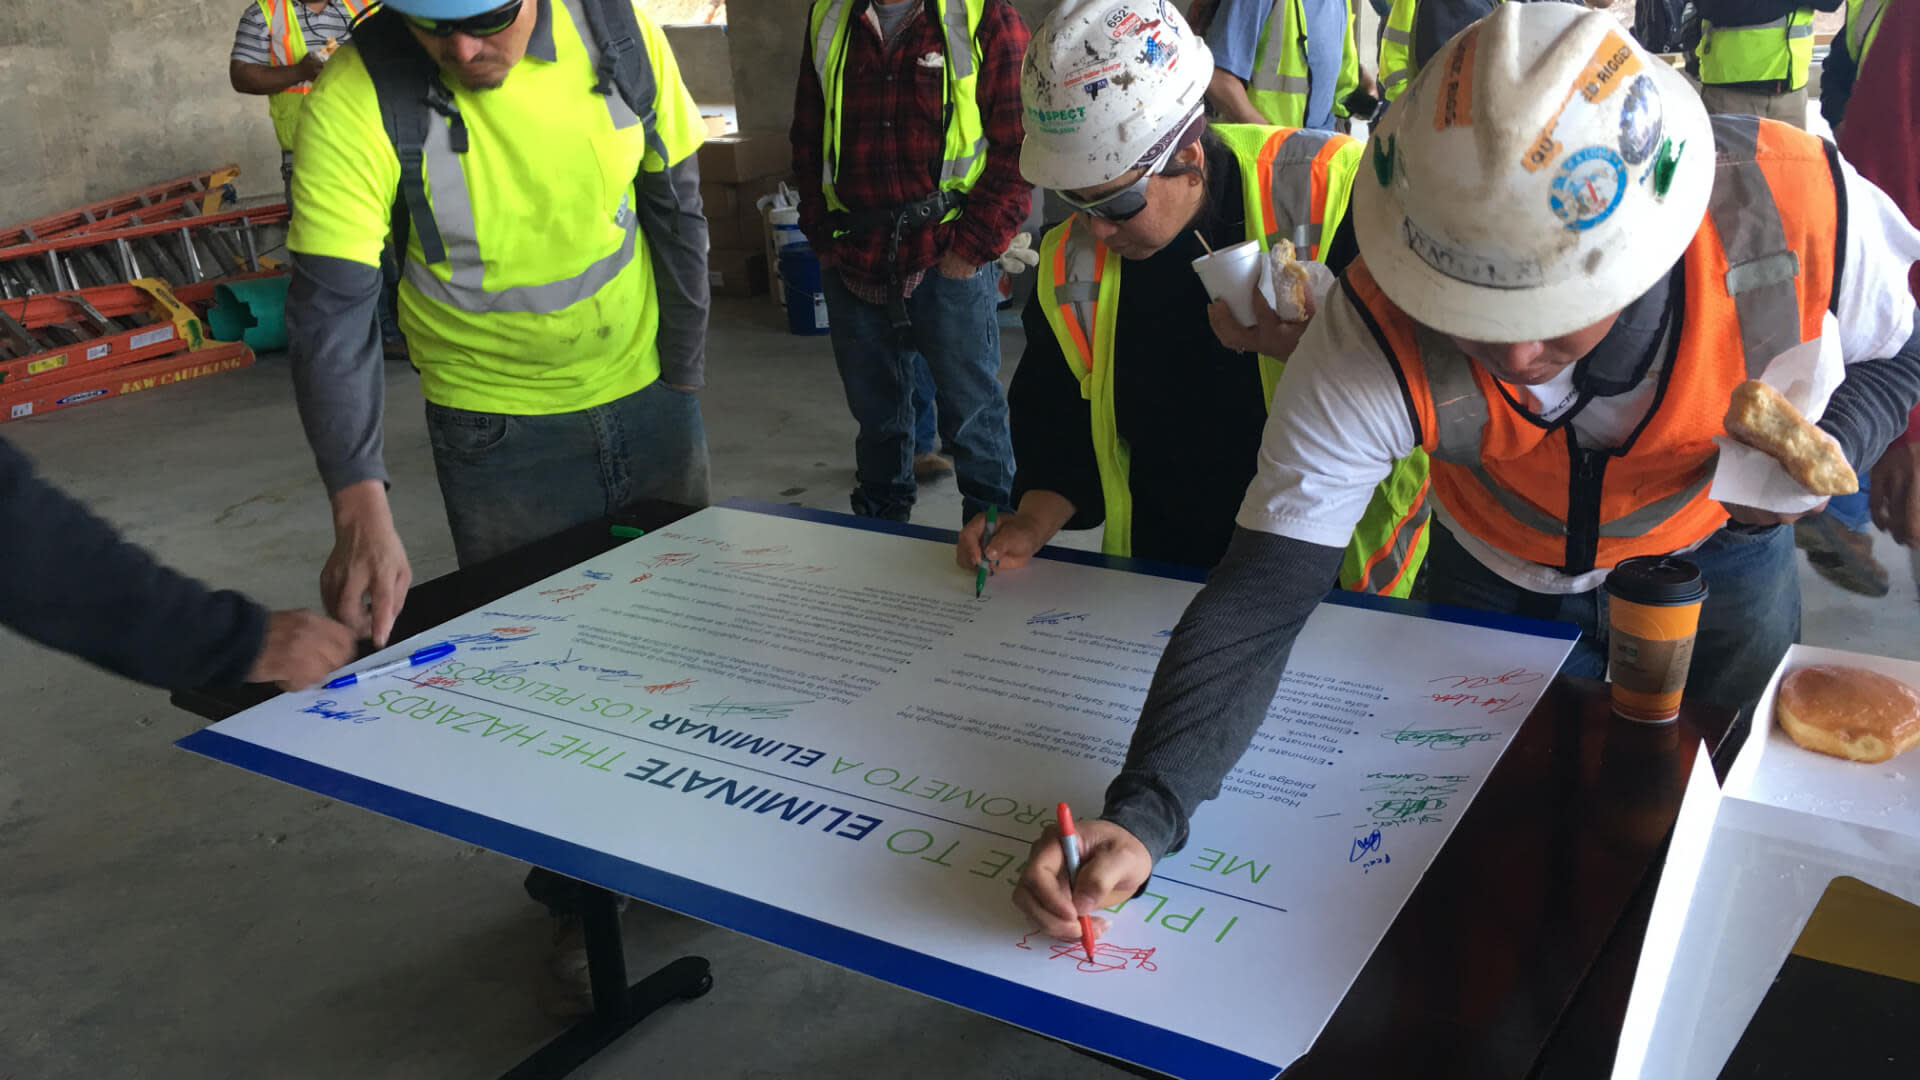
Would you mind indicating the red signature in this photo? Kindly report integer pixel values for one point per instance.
(1475, 682)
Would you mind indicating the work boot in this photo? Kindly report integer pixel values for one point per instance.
(929, 467)
(569, 992)
(1841, 555)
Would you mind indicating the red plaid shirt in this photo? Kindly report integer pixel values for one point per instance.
(890, 150)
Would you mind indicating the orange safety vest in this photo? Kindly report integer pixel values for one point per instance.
(1760, 273)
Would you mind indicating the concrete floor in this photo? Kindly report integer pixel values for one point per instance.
(165, 916)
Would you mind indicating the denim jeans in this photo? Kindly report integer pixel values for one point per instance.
(1852, 511)
(1751, 614)
(510, 480)
(924, 431)
(955, 328)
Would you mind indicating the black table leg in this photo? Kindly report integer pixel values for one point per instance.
(617, 1007)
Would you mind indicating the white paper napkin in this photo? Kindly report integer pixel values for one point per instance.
(1806, 376)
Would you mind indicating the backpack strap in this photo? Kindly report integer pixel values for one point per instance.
(407, 83)
(623, 64)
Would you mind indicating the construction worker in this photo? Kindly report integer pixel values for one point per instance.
(554, 294)
(1285, 62)
(1846, 54)
(906, 138)
(71, 583)
(279, 49)
(1754, 57)
(1565, 269)
(1128, 410)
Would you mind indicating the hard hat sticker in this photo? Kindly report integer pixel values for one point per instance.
(1588, 186)
(1640, 121)
(1454, 105)
(1612, 62)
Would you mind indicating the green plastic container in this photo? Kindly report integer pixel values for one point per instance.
(252, 311)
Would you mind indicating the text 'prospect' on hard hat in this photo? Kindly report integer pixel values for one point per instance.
(1104, 82)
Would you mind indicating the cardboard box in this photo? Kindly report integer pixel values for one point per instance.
(743, 231)
(737, 273)
(724, 200)
(1747, 863)
(730, 159)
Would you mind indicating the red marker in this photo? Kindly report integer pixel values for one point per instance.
(1070, 845)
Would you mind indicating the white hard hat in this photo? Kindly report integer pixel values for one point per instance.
(1541, 173)
(1104, 83)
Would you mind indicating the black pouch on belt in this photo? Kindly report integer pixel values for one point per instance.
(897, 220)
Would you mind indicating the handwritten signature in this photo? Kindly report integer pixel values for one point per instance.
(1053, 618)
(765, 710)
(1106, 957)
(1453, 738)
(332, 711)
(1364, 846)
(1407, 808)
(1518, 676)
(597, 575)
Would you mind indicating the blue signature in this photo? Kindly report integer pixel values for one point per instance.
(1365, 846)
(1368, 845)
(597, 575)
(332, 711)
(1053, 618)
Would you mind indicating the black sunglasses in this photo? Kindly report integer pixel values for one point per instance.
(485, 24)
(1122, 205)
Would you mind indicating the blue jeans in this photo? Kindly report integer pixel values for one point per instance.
(510, 480)
(1751, 615)
(924, 430)
(1852, 511)
(955, 328)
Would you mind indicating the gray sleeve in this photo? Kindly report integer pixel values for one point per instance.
(672, 220)
(339, 379)
(250, 44)
(1871, 406)
(1215, 681)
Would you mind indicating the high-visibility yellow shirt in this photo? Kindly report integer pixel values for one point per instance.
(550, 180)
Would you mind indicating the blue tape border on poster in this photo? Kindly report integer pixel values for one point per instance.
(1518, 624)
(990, 995)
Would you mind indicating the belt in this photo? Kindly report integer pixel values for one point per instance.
(897, 220)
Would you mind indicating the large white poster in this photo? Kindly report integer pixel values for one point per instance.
(815, 734)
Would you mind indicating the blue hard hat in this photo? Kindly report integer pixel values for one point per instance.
(443, 9)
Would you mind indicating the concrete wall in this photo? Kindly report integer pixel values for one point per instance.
(701, 52)
(104, 96)
(764, 38)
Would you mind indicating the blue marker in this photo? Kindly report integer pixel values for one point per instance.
(422, 656)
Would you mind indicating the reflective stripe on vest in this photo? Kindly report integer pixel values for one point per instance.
(1296, 182)
(964, 154)
(1777, 51)
(287, 46)
(465, 287)
(1863, 25)
(1396, 49)
(1282, 83)
(1760, 270)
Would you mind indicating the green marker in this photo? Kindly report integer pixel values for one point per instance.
(986, 537)
(627, 532)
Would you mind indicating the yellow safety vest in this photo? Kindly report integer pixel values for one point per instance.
(964, 156)
(1296, 184)
(1779, 51)
(1863, 25)
(1397, 64)
(1280, 77)
(1397, 68)
(288, 46)
(546, 301)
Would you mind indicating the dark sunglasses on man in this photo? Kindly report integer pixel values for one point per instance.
(485, 24)
(1125, 204)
